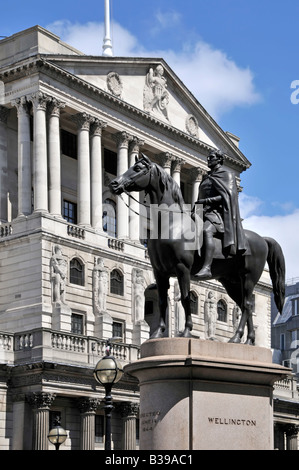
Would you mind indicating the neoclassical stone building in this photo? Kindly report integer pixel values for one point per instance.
(74, 269)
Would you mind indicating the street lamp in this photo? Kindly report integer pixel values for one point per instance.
(107, 372)
(57, 434)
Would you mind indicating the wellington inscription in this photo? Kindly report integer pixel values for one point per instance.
(232, 421)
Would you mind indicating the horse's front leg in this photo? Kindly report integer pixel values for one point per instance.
(162, 287)
(183, 274)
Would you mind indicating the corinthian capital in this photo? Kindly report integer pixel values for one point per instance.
(122, 139)
(55, 107)
(83, 121)
(97, 127)
(40, 100)
(135, 145)
(22, 105)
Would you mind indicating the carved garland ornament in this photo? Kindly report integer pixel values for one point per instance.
(114, 84)
(192, 125)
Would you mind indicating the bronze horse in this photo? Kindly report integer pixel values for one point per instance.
(173, 256)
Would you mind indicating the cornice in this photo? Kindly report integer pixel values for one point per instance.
(41, 64)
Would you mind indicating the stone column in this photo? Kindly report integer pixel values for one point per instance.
(292, 437)
(96, 174)
(165, 160)
(134, 228)
(24, 158)
(54, 158)
(40, 160)
(41, 403)
(279, 436)
(88, 408)
(83, 121)
(122, 139)
(129, 413)
(176, 169)
(3, 164)
(197, 174)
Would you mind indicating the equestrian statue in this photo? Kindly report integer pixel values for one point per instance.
(212, 245)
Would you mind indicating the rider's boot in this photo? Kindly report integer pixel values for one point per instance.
(205, 272)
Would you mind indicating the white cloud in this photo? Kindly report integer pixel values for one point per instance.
(217, 81)
(88, 37)
(168, 19)
(284, 229)
(249, 205)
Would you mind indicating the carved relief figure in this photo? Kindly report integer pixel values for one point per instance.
(155, 96)
(58, 267)
(100, 285)
(138, 297)
(210, 316)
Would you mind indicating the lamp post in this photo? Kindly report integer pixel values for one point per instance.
(107, 372)
(57, 434)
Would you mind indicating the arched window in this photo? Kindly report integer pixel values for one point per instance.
(109, 217)
(193, 303)
(76, 272)
(222, 311)
(116, 282)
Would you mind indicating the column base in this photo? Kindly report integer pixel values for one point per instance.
(204, 395)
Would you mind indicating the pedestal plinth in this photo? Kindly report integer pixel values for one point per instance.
(205, 395)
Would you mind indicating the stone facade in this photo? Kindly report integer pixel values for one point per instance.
(73, 264)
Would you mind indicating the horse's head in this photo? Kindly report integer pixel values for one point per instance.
(135, 178)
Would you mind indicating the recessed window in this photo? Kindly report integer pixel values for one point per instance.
(69, 211)
(69, 144)
(110, 162)
(77, 324)
(116, 282)
(222, 311)
(117, 330)
(109, 217)
(76, 272)
(295, 306)
(193, 303)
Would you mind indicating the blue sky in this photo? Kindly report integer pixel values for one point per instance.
(238, 57)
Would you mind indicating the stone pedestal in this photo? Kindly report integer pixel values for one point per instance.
(61, 319)
(203, 395)
(103, 325)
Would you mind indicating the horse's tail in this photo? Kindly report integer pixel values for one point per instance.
(276, 264)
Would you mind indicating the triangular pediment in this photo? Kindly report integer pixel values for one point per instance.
(152, 87)
(146, 86)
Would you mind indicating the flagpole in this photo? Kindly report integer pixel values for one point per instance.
(107, 44)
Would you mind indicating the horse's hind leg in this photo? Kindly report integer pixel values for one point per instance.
(246, 308)
(183, 275)
(162, 286)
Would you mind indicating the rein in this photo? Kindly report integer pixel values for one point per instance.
(148, 167)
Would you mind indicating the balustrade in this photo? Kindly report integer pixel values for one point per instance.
(63, 342)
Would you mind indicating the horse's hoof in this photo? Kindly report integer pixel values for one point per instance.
(185, 334)
(157, 334)
(250, 341)
(235, 339)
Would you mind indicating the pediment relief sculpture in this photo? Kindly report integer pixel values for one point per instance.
(155, 94)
